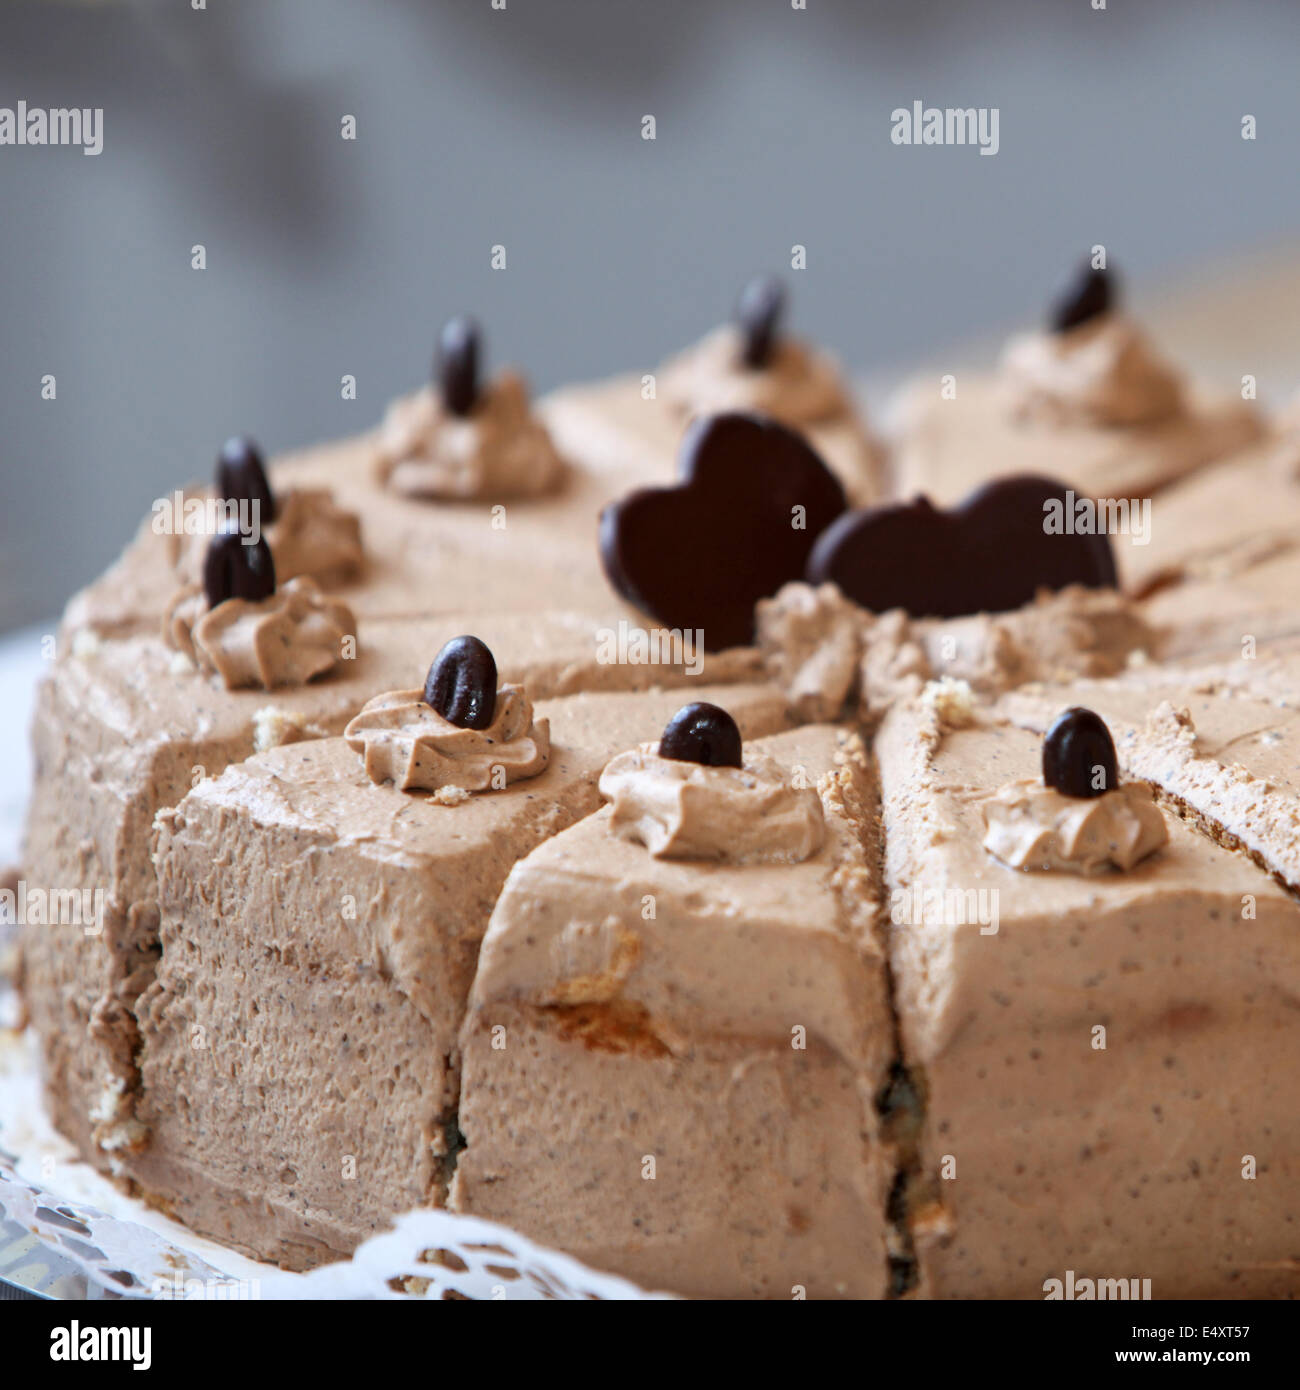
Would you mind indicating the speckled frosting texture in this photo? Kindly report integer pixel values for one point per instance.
(738, 1034)
(408, 743)
(1098, 1052)
(1221, 742)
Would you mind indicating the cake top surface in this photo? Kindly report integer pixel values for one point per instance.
(1225, 749)
(1221, 518)
(935, 781)
(1219, 614)
(1237, 716)
(592, 851)
(320, 786)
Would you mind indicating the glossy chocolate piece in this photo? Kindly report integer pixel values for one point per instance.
(702, 733)
(758, 316)
(1087, 295)
(752, 497)
(234, 569)
(991, 553)
(1079, 754)
(456, 366)
(241, 477)
(462, 683)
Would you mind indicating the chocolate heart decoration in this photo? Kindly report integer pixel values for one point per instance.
(989, 554)
(752, 498)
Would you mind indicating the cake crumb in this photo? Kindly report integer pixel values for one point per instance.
(952, 701)
(129, 1135)
(115, 1128)
(449, 796)
(273, 726)
(111, 1102)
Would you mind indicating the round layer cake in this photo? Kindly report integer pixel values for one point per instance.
(663, 819)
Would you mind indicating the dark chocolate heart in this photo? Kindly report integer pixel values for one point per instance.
(702, 733)
(758, 316)
(456, 368)
(241, 477)
(462, 683)
(233, 569)
(1079, 754)
(1087, 294)
(989, 554)
(753, 497)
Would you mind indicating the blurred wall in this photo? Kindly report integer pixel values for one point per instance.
(523, 127)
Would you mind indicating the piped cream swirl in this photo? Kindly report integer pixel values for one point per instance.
(314, 536)
(811, 639)
(311, 536)
(1034, 827)
(288, 638)
(1104, 372)
(740, 815)
(499, 450)
(408, 743)
(798, 385)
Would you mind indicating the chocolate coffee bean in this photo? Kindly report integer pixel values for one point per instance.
(758, 316)
(1079, 754)
(752, 498)
(462, 683)
(456, 369)
(1088, 294)
(702, 733)
(241, 477)
(233, 568)
(989, 554)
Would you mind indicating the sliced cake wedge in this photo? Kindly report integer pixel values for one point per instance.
(674, 1054)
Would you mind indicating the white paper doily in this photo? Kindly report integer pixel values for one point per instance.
(429, 1254)
(434, 1254)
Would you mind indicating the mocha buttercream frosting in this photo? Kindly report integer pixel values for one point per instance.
(501, 449)
(1034, 827)
(797, 385)
(1105, 372)
(816, 644)
(408, 743)
(313, 535)
(739, 815)
(811, 638)
(288, 638)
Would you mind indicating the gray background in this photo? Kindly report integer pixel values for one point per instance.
(523, 127)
